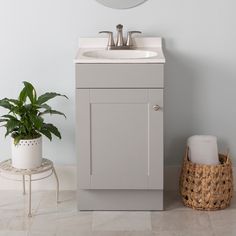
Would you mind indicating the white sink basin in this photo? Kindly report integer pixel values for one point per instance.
(120, 54)
(93, 50)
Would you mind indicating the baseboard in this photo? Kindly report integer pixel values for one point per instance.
(67, 179)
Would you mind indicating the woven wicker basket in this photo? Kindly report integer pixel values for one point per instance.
(206, 187)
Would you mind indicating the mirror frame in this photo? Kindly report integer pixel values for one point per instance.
(139, 2)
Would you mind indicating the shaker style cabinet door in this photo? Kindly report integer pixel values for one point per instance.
(119, 138)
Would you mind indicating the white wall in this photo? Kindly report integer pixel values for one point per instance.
(38, 40)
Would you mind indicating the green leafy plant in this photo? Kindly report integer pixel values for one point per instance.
(25, 117)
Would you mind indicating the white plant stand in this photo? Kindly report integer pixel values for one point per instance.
(46, 167)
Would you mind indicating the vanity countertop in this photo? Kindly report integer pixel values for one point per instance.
(148, 50)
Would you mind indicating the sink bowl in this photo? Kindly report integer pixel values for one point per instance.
(120, 54)
(93, 51)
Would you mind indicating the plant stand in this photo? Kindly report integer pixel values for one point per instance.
(46, 166)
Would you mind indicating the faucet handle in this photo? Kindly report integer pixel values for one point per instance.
(111, 42)
(129, 42)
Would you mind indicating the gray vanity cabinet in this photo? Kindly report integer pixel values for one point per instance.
(119, 136)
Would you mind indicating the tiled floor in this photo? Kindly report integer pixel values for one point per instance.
(64, 219)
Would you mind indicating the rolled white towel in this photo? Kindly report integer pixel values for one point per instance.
(203, 149)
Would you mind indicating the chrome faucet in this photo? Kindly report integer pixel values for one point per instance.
(120, 39)
(120, 44)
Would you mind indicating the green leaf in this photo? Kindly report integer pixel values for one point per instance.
(6, 104)
(27, 124)
(52, 112)
(37, 121)
(3, 120)
(7, 133)
(45, 106)
(23, 95)
(30, 92)
(53, 129)
(16, 102)
(11, 126)
(46, 133)
(22, 129)
(47, 96)
(9, 117)
(17, 139)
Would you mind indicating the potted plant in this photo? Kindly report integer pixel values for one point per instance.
(25, 123)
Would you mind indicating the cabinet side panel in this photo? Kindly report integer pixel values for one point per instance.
(156, 155)
(83, 137)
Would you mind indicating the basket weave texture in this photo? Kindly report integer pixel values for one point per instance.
(206, 187)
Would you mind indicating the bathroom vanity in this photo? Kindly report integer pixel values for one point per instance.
(119, 125)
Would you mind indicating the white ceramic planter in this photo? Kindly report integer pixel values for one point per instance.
(27, 154)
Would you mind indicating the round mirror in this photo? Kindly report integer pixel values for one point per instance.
(121, 4)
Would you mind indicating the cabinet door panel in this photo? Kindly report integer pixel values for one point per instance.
(125, 138)
(119, 145)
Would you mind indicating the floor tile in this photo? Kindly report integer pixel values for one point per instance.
(16, 200)
(43, 234)
(224, 221)
(180, 220)
(121, 221)
(223, 217)
(7, 216)
(62, 221)
(166, 233)
(196, 233)
(44, 223)
(73, 233)
(20, 222)
(67, 201)
(225, 232)
(17, 233)
(184, 233)
(4, 221)
(13, 233)
(77, 221)
(3, 233)
(106, 233)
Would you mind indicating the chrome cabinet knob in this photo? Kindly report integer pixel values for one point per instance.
(156, 108)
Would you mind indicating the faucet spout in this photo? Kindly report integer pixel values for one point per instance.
(120, 39)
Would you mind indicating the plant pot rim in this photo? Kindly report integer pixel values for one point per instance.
(29, 138)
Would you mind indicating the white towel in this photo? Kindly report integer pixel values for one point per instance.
(203, 149)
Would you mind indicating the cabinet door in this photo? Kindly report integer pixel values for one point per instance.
(120, 138)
